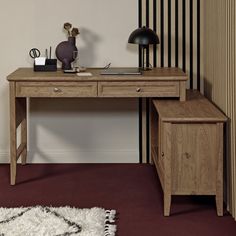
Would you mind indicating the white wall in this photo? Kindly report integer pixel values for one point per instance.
(79, 130)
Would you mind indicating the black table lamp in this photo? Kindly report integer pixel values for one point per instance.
(144, 37)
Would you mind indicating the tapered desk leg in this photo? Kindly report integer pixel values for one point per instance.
(13, 140)
(17, 117)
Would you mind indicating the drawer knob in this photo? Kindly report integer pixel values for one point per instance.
(138, 90)
(187, 155)
(57, 90)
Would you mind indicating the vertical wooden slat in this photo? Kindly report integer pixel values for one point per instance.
(187, 41)
(219, 73)
(198, 33)
(147, 25)
(173, 33)
(191, 43)
(184, 35)
(180, 34)
(176, 33)
(155, 30)
(169, 32)
(162, 20)
(195, 44)
(166, 34)
(140, 10)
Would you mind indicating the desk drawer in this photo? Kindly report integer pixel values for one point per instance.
(56, 89)
(138, 89)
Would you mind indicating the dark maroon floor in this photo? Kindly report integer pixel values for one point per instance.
(132, 189)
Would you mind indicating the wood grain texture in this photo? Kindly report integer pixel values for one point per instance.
(165, 74)
(13, 141)
(138, 89)
(166, 149)
(56, 89)
(219, 170)
(196, 108)
(24, 82)
(188, 152)
(219, 21)
(194, 159)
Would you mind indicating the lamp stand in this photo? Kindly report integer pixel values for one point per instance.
(144, 48)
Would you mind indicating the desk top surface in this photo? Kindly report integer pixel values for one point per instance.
(196, 108)
(156, 74)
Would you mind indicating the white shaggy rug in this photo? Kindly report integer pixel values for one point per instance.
(62, 221)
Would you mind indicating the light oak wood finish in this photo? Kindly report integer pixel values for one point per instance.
(56, 89)
(24, 82)
(189, 139)
(13, 126)
(138, 89)
(159, 74)
(218, 58)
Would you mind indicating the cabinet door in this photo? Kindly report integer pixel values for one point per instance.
(194, 158)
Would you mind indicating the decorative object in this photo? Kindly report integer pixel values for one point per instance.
(43, 221)
(42, 63)
(144, 37)
(65, 50)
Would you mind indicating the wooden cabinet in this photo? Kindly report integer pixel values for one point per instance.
(187, 148)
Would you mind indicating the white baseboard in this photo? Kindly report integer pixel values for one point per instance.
(4, 157)
(78, 156)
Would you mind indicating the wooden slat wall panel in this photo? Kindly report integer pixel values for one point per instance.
(204, 47)
(180, 45)
(176, 24)
(219, 21)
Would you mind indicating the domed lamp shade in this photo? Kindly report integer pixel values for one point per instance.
(144, 37)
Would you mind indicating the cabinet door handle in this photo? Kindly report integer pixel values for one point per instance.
(162, 154)
(57, 90)
(138, 90)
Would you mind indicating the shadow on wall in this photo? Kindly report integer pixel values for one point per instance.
(207, 89)
(87, 53)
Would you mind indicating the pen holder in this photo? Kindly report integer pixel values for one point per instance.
(50, 65)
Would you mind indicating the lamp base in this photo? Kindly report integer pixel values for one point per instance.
(146, 68)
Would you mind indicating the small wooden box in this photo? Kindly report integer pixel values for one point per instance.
(187, 148)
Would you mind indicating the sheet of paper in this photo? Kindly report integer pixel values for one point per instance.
(84, 74)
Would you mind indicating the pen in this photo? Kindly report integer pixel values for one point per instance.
(46, 52)
(50, 53)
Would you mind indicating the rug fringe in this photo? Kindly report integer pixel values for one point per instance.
(110, 229)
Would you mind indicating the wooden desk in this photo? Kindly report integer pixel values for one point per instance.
(24, 82)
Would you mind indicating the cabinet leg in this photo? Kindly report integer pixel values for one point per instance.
(219, 204)
(219, 182)
(167, 203)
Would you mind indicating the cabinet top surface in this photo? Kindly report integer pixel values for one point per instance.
(162, 74)
(196, 108)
